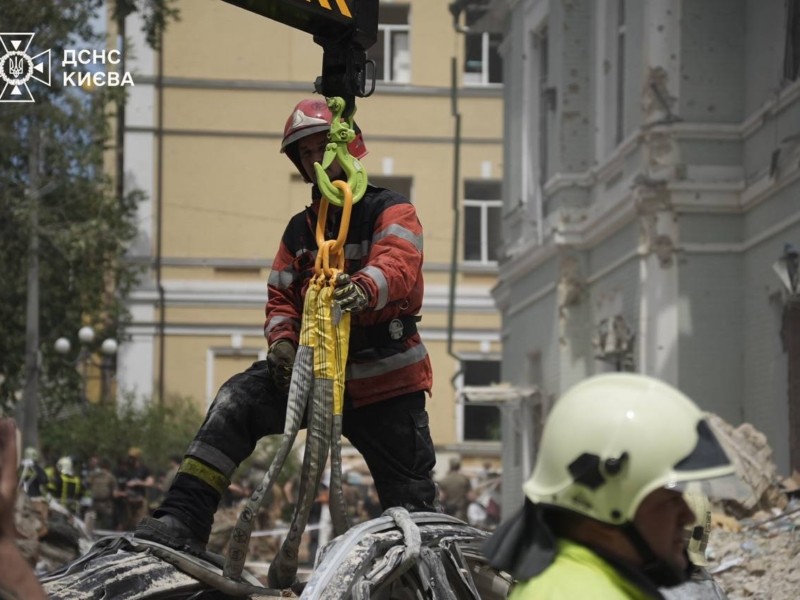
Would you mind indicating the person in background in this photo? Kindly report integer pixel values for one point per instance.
(172, 471)
(604, 513)
(137, 481)
(120, 497)
(65, 486)
(372, 505)
(456, 490)
(31, 475)
(101, 484)
(353, 496)
(17, 579)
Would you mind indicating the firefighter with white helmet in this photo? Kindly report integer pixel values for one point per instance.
(388, 368)
(32, 477)
(604, 512)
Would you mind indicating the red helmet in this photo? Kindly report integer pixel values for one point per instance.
(312, 116)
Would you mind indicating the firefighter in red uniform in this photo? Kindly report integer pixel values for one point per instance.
(388, 369)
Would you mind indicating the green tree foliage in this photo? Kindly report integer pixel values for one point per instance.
(83, 228)
(108, 431)
(156, 14)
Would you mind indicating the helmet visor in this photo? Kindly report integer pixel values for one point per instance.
(708, 470)
(725, 487)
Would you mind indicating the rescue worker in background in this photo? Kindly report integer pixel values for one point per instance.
(136, 481)
(701, 585)
(353, 496)
(456, 490)
(65, 486)
(31, 475)
(604, 512)
(388, 369)
(101, 483)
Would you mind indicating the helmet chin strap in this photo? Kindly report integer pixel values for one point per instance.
(657, 570)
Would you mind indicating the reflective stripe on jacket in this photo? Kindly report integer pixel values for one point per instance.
(383, 253)
(577, 572)
(66, 489)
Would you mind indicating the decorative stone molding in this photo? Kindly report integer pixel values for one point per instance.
(613, 341)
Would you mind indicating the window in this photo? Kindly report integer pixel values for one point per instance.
(546, 101)
(791, 58)
(481, 422)
(483, 208)
(390, 52)
(619, 133)
(482, 62)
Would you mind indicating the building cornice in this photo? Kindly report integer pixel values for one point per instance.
(275, 135)
(190, 293)
(191, 329)
(224, 263)
(493, 90)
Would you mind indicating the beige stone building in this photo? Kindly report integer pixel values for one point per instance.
(203, 127)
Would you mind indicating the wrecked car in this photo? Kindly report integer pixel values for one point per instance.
(398, 555)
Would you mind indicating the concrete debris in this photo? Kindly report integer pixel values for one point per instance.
(752, 455)
(761, 559)
(754, 549)
(791, 485)
(49, 536)
(724, 522)
(260, 549)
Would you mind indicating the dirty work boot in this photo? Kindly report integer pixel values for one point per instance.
(172, 532)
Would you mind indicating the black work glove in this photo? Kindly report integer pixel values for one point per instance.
(350, 296)
(280, 359)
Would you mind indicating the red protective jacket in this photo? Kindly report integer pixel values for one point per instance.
(383, 254)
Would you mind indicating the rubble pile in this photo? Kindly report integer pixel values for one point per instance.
(754, 546)
(262, 548)
(49, 536)
(761, 557)
(753, 550)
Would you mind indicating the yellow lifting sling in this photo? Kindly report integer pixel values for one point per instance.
(318, 376)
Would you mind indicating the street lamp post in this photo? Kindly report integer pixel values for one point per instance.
(108, 348)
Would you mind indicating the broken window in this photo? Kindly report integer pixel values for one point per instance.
(791, 58)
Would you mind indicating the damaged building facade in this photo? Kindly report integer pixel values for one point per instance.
(651, 182)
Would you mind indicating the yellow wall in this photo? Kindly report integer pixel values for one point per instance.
(231, 80)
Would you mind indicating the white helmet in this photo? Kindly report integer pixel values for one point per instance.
(64, 465)
(612, 439)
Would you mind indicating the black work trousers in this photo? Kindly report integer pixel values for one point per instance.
(393, 436)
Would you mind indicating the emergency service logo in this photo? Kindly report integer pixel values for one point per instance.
(17, 67)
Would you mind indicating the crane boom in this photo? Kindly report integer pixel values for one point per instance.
(344, 28)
